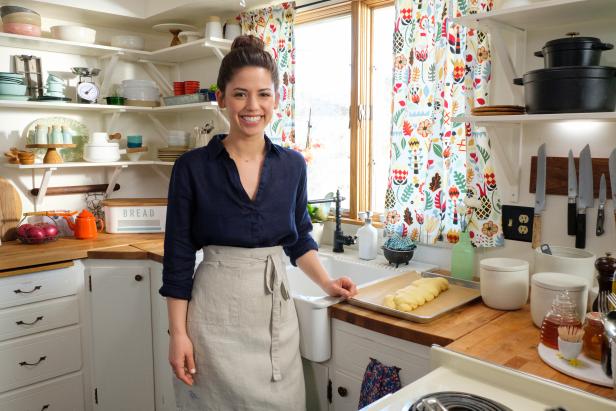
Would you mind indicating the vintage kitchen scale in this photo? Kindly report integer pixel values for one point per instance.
(87, 91)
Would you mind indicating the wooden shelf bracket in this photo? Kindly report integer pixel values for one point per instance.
(114, 179)
(162, 130)
(164, 84)
(510, 165)
(44, 184)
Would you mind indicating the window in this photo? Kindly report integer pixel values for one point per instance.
(322, 96)
(343, 71)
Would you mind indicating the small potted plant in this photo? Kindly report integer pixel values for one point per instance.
(398, 249)
(318, 216)
(211, 92)
(115, 99)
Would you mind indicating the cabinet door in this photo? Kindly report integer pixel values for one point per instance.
(345, 391)
(121, 338)
(316, 378)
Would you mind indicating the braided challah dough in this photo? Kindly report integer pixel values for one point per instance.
(418, 293)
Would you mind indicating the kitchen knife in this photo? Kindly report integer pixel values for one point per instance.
(585, 197)
(539, 195)
(612, 164)
(601, 211)
(571, 194)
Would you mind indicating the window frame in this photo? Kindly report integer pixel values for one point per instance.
(361, 12)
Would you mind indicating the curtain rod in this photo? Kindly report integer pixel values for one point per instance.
(311, 4)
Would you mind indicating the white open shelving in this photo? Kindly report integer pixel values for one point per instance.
(543, 14)
(184, 52)
(517, 120)
(104, 108)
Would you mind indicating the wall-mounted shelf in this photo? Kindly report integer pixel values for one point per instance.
(104, 108)
(516, 120)
(48, 170)
(542, 14)
(184, 52)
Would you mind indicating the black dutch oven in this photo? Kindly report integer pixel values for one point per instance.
(573, 89)
(573, 51)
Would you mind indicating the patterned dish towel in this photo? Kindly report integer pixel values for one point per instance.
(379, 380)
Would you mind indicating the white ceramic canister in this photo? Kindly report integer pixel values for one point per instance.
(544, 287)
(232, 29)
(213, 27)
(504, 283)
(567, 260)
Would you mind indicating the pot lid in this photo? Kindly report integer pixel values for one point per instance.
(573, 39)
(503, 264)
(570, 72)
(559, 281)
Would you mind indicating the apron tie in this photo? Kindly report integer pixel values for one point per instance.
(277, 288)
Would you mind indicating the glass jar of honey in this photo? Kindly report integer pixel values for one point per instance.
(562, 313)
(593, 336)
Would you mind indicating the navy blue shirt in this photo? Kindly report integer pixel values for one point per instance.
(209, 206)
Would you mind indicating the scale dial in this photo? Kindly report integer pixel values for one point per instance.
(88, 92)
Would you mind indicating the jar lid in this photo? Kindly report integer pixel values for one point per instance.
(503, 264)
(559, 281)
(594, 318)
(212, 18)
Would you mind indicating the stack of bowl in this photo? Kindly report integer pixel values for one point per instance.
(20, 20)
(12, 87)
(143, 93)
(55, 86)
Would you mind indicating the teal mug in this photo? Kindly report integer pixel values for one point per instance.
(134, 141)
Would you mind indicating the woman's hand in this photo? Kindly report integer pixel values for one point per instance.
(181, 358)
(341, 287)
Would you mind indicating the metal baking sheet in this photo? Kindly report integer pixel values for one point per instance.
(460, 292)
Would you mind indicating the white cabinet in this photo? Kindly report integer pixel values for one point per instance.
(41, 359)
(119, 302)
(352, 349)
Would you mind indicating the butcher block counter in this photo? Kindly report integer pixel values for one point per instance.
(15, 255)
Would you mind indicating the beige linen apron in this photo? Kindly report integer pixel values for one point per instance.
(245, 334)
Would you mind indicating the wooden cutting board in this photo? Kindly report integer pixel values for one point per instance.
(10, 210)
(372, 296)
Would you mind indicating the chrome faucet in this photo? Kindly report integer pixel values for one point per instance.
(340, 240)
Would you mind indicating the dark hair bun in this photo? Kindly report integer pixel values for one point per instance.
(247, 41)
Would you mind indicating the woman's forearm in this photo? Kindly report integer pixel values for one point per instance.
(310, 264)
(177, 309)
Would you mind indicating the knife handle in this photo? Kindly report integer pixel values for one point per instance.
(571, 217)
(600, 220)
(580, 231)
(536, 231)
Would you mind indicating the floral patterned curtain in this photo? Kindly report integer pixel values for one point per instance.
(274, 25)
(440, 70)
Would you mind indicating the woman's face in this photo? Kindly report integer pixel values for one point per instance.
(250, 100)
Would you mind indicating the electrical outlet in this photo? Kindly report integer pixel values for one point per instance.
(518, 223)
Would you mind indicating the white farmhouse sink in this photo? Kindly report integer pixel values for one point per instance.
(311, 302)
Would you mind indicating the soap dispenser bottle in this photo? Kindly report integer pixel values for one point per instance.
(367, 236)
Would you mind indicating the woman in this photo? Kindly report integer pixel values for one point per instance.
(242, 199)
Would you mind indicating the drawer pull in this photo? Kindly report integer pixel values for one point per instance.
(19, 291)
(342, 391)
(24, 363)
(39, 318)
(138, 277)
(46, 406)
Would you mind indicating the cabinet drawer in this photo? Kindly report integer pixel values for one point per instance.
(38, 357)
(60, 394)
(354, 346)
(33, 318)
(45, 285)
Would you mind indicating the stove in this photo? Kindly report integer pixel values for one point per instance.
(463, 383)
(456, 401)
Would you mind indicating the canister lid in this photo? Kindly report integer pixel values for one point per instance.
(559, 281)
(503, 264)
(132, 202)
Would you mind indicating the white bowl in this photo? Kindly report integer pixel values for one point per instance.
(128, 42)
(99, 138)
(188, 36)
(138, 83)
(544, 287)
(77, 34)
(567, 260)
(134, 156)
(141, 93)
(504, 283)
(102, 153)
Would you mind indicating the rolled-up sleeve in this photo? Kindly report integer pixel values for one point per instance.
(304, 242)
(180, 247)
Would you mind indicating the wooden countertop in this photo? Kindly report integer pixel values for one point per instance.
(511, 340)
(14, 255)
(442, 331)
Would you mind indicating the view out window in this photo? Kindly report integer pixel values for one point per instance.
(381, 91)
(322, 97)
